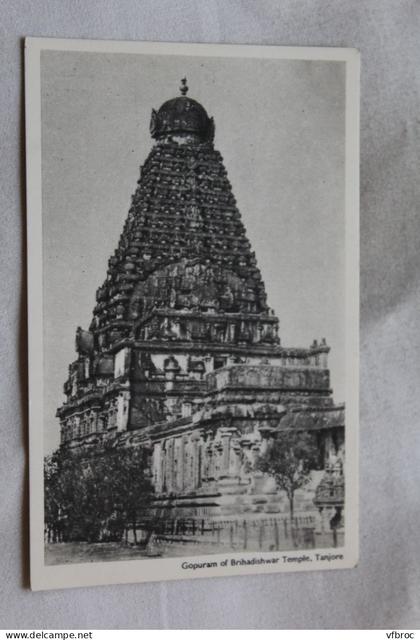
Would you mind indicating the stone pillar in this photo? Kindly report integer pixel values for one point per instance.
(157, 467)
(163, 454)
(341, 446)
(258, 479)
(77, 426)
(326, 513)
(200, 462)
(123, 404)
(197, 464)
(92, 421)
(205, 461)
(329, 449)
(218, 458)
(230, 454)
(246, 460)
(188, 464)
(170, 465)
(208, 364)
(225, 454)
(178, 464)
(235, 459)
(255, 449)
(171, 370)
(211, 469)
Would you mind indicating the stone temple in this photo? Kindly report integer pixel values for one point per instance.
(183, 353)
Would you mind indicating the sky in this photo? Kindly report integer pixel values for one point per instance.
(280, 127)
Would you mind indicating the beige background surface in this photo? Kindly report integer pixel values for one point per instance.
(383, 590)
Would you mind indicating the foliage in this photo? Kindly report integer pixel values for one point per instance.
(95, 497)
(289, 458)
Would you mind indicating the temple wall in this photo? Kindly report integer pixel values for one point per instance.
(212, 472)
(264, 376)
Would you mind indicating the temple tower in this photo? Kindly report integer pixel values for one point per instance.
(183, 350)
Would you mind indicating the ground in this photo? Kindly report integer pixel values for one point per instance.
(81, 552)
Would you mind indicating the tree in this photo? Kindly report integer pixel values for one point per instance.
(51, 498)
(73, 500)
(95, 496)
(128, 484)
(289, 459)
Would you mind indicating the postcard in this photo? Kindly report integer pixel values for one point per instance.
(193, 274)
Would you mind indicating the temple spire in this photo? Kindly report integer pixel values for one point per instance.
(184, 87)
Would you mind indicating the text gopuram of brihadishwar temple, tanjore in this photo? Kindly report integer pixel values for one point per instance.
(183, 353)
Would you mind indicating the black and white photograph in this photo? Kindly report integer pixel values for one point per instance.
(193, 310)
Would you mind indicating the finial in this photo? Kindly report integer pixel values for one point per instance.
(184, 87)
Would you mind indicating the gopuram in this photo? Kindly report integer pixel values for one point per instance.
(183, 354)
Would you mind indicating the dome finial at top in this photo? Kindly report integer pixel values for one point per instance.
(184, 87)
(182, 117)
